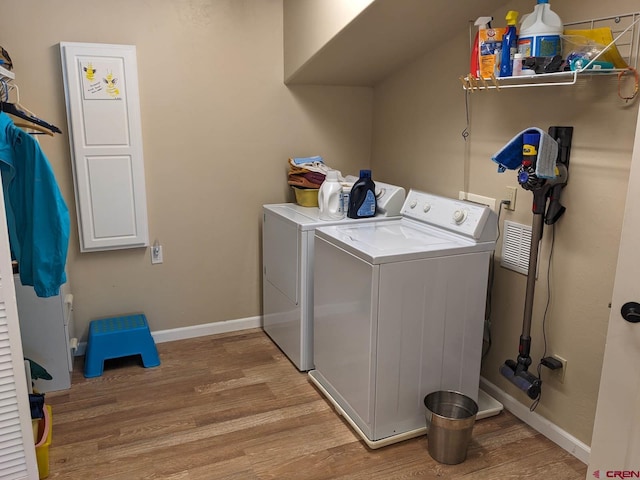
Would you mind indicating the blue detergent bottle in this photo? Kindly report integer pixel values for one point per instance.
(362, 199)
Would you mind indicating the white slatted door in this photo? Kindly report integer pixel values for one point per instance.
(105, 135)
(17, 451)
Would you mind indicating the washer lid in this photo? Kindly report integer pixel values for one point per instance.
(399, 240)
(308, 218)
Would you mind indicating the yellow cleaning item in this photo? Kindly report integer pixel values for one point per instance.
(44, 442)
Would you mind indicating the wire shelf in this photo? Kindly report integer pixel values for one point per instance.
(625, 30)
(6, 74)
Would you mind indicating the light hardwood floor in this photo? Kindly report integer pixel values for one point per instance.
(232, 406)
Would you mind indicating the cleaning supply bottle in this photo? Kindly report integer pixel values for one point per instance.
(489, 51)
(362, 199)
(516, 70)
(540, 32)
(509, 44)
(346, 191)
(474, 64)
(330, 197)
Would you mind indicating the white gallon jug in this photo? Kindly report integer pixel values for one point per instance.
(330, 197)
(540, 32)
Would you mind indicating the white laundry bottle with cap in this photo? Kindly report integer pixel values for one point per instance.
(330, 197)
(540, 32)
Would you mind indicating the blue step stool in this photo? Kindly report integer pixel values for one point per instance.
(119, 337)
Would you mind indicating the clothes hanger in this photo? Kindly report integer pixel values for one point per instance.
(19, 111)
(37, 129)
(17, 103)
(11, 109)
(5, 88)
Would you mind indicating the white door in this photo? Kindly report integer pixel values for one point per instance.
(105, 135)
(615, 446)
(17, 450)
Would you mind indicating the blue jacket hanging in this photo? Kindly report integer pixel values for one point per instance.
(37, 216)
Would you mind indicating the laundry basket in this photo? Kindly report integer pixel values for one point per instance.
(450, 419)
(306, 197)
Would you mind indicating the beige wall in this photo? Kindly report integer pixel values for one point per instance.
(419, 115)
(218, 126)
(310, 24)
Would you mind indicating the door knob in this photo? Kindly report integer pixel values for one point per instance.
(630, 311)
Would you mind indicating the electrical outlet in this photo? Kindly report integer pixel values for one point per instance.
(156, 254)
(510, 195)
(560, 373)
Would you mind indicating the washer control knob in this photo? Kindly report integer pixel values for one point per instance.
(459, 216)
(426, 207)
(413, 204)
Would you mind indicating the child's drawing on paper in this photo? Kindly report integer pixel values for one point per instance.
(90, 72)
(102, 78)
(111, 81)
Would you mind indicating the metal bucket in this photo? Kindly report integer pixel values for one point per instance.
(450, 419)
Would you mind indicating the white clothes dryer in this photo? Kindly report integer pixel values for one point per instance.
(399, 312)
(287, 275)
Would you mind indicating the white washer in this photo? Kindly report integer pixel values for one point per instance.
(287, 274)
(399, 312)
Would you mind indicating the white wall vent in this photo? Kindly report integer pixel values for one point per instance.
(516, 247)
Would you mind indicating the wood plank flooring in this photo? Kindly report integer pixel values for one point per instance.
(232, 406)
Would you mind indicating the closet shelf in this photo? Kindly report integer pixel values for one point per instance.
(625, 30)
(6, 74)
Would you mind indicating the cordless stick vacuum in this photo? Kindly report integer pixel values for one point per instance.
(543, 189)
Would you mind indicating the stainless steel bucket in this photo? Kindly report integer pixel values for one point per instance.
(450, 419)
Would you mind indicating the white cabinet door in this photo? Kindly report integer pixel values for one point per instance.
(105, 135)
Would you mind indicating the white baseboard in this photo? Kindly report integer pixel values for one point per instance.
(213, 328)
(550, 430)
